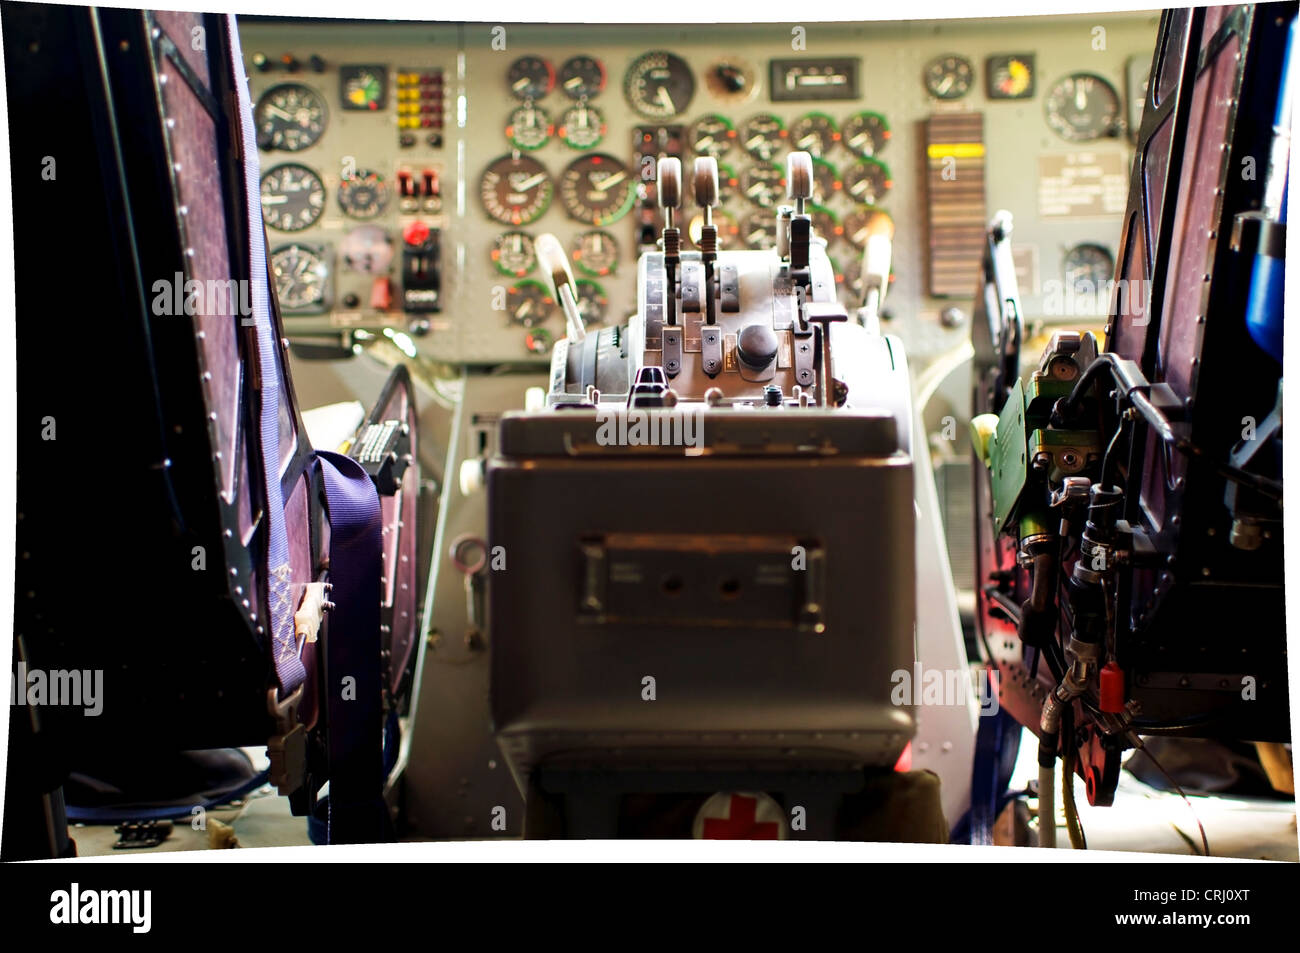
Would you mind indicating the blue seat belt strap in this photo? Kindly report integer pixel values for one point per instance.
(353, 654)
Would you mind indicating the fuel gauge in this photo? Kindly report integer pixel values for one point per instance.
(815, 134)
(513, 254)
(582, 77)
(763, 136)
(764, 185)
(529, 127)
(712, 135)
(596, 252)
(592, 302)
(865, 134)
(583, 127)
(759, 231)
(528, 303)
(867, 181)
(530, 77)
(826, 181)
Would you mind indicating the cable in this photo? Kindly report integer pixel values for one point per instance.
(1205, 841)
(1072, 824)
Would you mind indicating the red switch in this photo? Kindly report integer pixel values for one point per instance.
(381, 294)
(1111, 688)
(416, 234)
(431, 185)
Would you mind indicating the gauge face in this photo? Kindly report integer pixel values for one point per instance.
(764, 185)
(289, 117)
(867, 181)
(815, 134)
(363, 87)
(726, 224)
(728, 184)
(593, 303)
(949, 77)
(367, 249)
(515, 190)
(865, 134)
(1087, 268)
(582, 77)
(596, 253)
(293, 197)
(363, 194)
(530, 77)
(759, 231)
(826, 180)
(763, 136)
(582, 127)
(825, 222)
(659, 85)
(1082, 107)
(529, 127)
(528, 303)
(856, 224)
(513, 254)
(597, 189)
(538, 341)
(712, 135)
(300, 276)
(1010, 77)
(731, 81)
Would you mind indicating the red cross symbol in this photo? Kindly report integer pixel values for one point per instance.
(740, 825)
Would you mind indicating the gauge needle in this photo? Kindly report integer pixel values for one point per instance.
(529, 182)
(946, 84)
(666, 99)
(277, 111)
(1080, 98)
(274, 199)
(612, 181)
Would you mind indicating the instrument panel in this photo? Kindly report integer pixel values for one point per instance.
(408, 168)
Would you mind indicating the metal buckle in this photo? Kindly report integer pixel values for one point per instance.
(288, 748)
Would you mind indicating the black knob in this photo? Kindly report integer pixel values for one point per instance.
(756, 346)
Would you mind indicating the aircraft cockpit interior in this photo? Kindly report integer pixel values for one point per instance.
(836, 430)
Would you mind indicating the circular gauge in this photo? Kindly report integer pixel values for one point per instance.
(582, 77)
(726, 224)
(362, 87)
(949, 77)
(597, 189)
(513, 254)
(856, 225)
(826, 180)
(1082, 107)
(289, 117)
(293, 197)
(515, 190)
(593, 303)
(300, 276)
(728, 183)
(712, 135)
(367, 249)
(867, 181)
(1090, 264)
(764, 185)
(363, 194)
(763, 135)
(731, 81)
(1010, 77)
(596, 253)
(530, 77)
(528, 303)
(850, 279)
(582, 126)
(659, 85)
(759, 231)
(529, 127)
(865, 134)
(538, 341)
(815, 134)
(825, 223)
